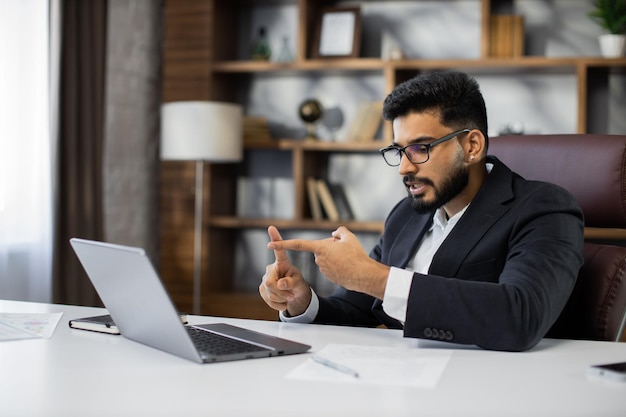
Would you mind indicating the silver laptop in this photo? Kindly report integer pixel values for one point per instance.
(137, 301)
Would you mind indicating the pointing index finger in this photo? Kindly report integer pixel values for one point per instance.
(299, 245)
(280, 254)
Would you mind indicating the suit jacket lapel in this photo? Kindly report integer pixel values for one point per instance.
(484, 210)
(401, 252)
(405, 245)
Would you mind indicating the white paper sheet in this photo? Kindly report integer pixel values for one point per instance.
(421, 368)
(14, 326)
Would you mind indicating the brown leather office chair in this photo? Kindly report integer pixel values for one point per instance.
(593, 168)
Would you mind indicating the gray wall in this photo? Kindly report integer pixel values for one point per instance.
(133, 96)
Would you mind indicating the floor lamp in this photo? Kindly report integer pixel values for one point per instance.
(201, 131)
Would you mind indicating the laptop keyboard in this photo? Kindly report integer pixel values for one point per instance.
(209, 343)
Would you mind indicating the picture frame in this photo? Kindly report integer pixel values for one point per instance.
(338, 33)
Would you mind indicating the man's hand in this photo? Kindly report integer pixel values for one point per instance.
(342, 259)
(283, 288)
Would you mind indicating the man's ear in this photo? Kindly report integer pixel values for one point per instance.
(475, 145)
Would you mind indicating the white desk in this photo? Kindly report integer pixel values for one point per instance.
(78, 373)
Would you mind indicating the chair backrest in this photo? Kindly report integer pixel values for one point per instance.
(596, 309)
(592, 168)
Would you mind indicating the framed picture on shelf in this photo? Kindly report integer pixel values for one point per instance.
(338, 33)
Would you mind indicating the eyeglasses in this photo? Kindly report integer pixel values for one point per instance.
(417, 153)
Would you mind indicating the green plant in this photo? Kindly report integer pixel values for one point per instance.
(610, 15)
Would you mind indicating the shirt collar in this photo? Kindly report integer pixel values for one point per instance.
(440, 218)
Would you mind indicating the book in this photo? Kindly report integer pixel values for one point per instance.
(341, 201)
(355, 124)
(518, 36)
(371, 122)
(366, 122)
(327, 201)
(313, 196)
(506, 36)
(256, 130)
(103, 324)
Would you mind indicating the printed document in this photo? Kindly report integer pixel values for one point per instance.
(399, 366)
(14, 326)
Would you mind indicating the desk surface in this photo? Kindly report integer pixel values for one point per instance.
(79, 373)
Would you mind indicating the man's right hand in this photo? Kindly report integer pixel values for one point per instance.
(283, 288)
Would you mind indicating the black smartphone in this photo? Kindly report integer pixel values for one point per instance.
(615, 371)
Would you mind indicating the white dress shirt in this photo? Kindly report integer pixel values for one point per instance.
(399, 280)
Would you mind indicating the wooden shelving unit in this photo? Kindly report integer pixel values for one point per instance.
(201, 65)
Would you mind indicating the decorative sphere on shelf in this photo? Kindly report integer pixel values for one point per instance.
(311, 112)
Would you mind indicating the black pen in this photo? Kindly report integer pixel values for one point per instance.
(336, 366)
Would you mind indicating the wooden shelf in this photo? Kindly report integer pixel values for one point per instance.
(240, 305)
(233, 222)
(319, 146)
(373, 64)
(597, 233)
(351, 64)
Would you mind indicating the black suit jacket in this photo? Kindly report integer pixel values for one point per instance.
(499, 280)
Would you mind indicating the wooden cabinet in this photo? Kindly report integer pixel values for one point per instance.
(203, 61)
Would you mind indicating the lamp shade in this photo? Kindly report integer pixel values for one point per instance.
(201, 131)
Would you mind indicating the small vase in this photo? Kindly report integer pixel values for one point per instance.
(285, 54)
(612, 46)
(260, 49)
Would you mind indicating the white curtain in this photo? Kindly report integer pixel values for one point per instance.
(26, 148)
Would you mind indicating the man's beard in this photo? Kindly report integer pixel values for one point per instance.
(450, 188)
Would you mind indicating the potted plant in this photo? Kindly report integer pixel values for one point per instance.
(611, 16)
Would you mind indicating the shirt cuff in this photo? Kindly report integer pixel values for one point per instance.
(308, 316)
(396, 296)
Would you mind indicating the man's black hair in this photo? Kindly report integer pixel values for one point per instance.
(454, 95)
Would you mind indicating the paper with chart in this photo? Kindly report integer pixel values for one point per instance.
(15, 326)
(400, 366)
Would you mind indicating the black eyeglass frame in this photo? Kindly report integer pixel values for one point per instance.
(427, 146)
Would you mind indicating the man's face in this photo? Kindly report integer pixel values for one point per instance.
(443, 178)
